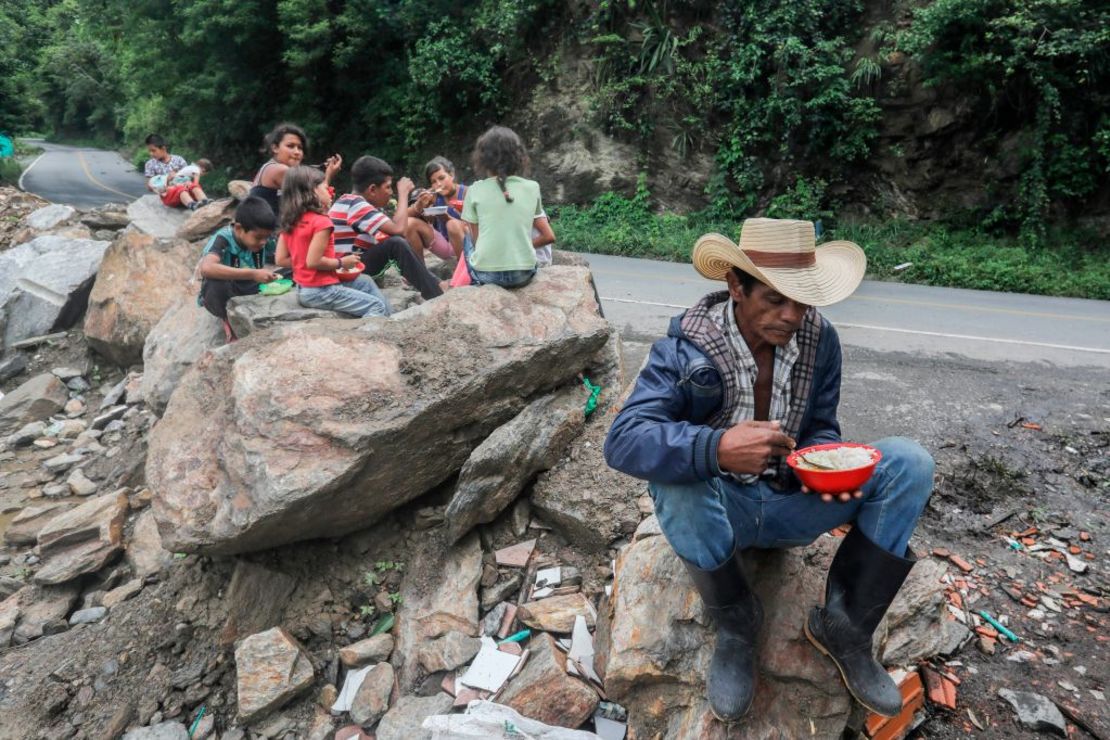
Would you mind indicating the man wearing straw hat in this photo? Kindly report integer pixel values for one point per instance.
(743, 378)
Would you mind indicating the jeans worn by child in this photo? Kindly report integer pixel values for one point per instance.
(360, 297)
(506, 278)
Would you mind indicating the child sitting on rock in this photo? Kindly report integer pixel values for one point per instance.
(502, 210)
(307, 244)
(233, 262)
(449, 226)
(361, 223)
(161, 172)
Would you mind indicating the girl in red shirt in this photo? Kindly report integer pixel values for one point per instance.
(308, 246)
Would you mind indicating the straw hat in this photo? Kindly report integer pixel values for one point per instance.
(783, 254)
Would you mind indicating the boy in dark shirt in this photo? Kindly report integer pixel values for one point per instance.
(234, 260)
(360, 223)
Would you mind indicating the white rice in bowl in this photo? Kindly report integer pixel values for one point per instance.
(838, 458)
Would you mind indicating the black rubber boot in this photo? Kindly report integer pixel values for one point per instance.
(738, 615)
(863, 580)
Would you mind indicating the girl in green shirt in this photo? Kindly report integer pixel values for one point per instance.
(502, 210)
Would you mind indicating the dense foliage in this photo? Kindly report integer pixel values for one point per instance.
(784, 96)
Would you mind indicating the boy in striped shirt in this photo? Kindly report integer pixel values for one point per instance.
(360, 223)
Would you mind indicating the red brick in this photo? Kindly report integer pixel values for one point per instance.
(960, 563)
(940, 689)
(896, 728)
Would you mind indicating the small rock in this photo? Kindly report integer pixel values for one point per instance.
(113, 414)
(78, 385)
(80, 485)
(62, 463)
(71, 429)
(327, 696)
(45, 443)
(372, 650)
(159, 731)
(506, 590)
(27, 434)
(272, 668)
(74, 407)
(545, 692)
(122, 593)
(205, 727)
(1035, 712)
(557, 613)
(65, 374)
(12, 366)
(987, 645)
(88, 616)
(1021, 656)
(372, 699)
(447, 652)
(403, 721)
(56, 490)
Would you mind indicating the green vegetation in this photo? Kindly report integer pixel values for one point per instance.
(1068, 263)
(10, 170)
(786, 99)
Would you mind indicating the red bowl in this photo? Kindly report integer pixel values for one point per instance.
(834, 481)
(346, 277)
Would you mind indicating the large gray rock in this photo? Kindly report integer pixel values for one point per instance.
(372, 698)
(918, 625)
(49, 216)
(185, 332)
(34, 400)
(25, 527)
(659, 645)
(204, 221)
(248, 314)
(545, 692)
(45, 284)
(439, 598)
(149, 216)
(585, 500)
(139, 280)
(82, 540)
(111, 217)
(311, 429)
(271, 669)
(500, 467)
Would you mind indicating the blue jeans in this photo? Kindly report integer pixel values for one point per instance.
(360, 297)
(505, 278)
(706, 521)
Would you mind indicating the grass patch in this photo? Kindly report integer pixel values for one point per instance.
(1077, 264)
(10, 170)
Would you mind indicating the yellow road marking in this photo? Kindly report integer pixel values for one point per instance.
(98, 183)
(877, 299)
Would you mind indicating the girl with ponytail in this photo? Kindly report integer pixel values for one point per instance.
(502, 210)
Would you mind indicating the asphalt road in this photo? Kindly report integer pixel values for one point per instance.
(80, 176)
(640, 296)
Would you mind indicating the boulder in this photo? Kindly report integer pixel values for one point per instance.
(918, 624)
(438, 596)
(139, 279)
(545, 692)
(660, 642)
(35, 400)
(499, 468)
(145, 553)
(248, 314)
(149, 216)
(204, 221)
(184, 333)
(81, 540)
(404, 721)
(48, 217)
(25, 527)
(372, 698)
(45, 284)
(585, 500)
(313, 428)
(255, 600)
(11, 366)
(271, 668)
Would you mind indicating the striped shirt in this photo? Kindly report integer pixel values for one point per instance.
(781, 394)
(356, 223)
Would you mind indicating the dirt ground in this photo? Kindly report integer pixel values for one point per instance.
(1019, 447)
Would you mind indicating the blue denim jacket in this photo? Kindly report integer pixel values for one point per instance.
(661, 432)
